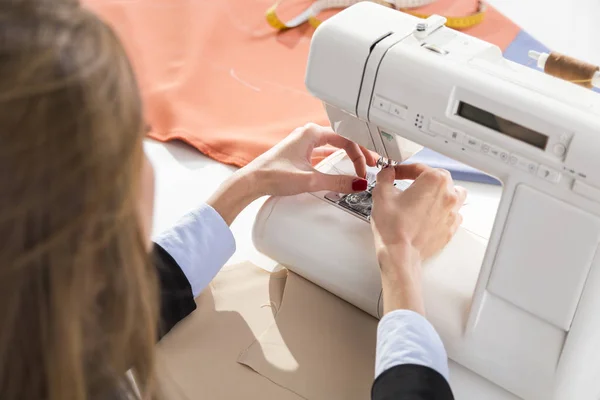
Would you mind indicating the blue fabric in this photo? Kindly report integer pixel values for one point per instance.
(459, 171)
(519, 48)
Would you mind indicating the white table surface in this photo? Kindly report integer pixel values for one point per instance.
(186, 178)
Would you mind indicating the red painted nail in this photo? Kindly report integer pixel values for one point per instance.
(359, 185)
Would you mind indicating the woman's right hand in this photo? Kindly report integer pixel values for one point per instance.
(411, 226)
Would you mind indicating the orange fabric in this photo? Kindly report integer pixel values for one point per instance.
(216, 76)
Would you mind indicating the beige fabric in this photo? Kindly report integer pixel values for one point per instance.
(197, 360)
(320, 347)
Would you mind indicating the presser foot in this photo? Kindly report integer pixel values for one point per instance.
(385, 162)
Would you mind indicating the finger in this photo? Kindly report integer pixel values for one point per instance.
(462, 196)
(328, 136)
(323, 152)
(308, 136)
(337, 183)
(352, 149)
(411, 171)
(370, 157)
(436, 184)
(385, 182)
(436, 178)
(358, 159)
(386, 177)
(314, 133)
(443, 238)
(455, 222)
(324, 136)
(356, 156)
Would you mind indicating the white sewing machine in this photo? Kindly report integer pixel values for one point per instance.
(520, 306)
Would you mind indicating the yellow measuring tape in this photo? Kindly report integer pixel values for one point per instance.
(310, 14)
(459, 23)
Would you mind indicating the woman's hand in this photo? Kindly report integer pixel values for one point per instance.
(411, 226)
(286, 170)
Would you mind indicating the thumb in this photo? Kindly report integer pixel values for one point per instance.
(386, 176)
(339, 183)
(385, 181)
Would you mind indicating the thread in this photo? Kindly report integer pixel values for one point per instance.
(571, 69)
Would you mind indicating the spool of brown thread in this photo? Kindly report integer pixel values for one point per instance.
(570, 69)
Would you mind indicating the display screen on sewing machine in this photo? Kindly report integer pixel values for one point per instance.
(502, 125)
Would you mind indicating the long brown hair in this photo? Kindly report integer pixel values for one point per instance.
(78, 305)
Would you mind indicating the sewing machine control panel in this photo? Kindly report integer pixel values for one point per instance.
(446, 132)
(553, 145)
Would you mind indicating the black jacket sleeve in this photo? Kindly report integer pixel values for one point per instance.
(176, 297)
(411, 382)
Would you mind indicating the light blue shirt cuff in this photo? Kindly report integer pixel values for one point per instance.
(201, 243)
(406, 337)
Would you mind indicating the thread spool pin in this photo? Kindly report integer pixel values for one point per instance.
(567, 68)
(425, 28)
(541, 58)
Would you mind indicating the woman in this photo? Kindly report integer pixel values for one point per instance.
(85, 292)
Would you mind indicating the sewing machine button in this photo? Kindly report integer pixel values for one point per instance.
(438, 128)
(382, 104)
(472, 142)
(485, 148)
(532, 167)
(513, 160)
(523, 164)
(398, 111)
(456, 136)
(559, 149)
(548, 174)
(498, 153)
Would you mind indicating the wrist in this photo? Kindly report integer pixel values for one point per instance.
(403, 293)
(235, 194)
(399, 260)
(252, 180)
(401, 279)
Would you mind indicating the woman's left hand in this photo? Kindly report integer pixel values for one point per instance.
(286, 169)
